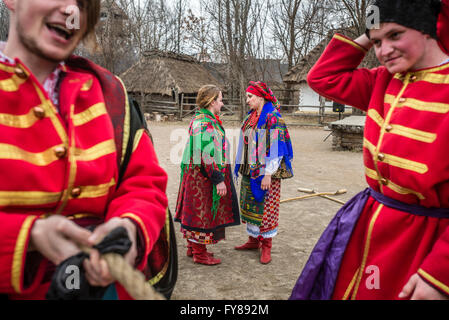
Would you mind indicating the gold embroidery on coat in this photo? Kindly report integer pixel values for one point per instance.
(88, 85)
(12, 84)
(90, 114)
(419, 105)
(28, 198)
(393, 186)
(366, 250)
(42, 159)
(19, 251)
(352, 43)
(100, 150)
(19, 121)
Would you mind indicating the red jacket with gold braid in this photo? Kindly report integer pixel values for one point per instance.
(66, 163)
(406, 145)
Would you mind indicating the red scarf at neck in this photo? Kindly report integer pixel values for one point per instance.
(218, 119)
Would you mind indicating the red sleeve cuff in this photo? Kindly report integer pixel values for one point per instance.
(15, 237)
(431, 280)
(349, 41)
(435, 267)
(140, 245)
(143, 240)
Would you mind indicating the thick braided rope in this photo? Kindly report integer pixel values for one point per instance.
(131, 279)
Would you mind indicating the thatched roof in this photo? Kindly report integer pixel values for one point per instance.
(298, 73)
(161, 72)
(269, 71)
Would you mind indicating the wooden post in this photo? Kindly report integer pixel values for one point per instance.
(322, 109)
(177, 104)
(181, 107)
(288, 96)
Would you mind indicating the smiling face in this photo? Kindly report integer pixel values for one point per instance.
(399, 48)
(42, 27)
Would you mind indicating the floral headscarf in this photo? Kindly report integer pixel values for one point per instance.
(261, 89)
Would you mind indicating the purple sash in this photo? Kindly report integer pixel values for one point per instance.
(317, 280)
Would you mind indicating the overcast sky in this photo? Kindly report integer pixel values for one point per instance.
(192, 4)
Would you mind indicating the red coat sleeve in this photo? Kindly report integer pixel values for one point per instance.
(15, 236)
(435, 267)
(336, 77)
(141, 196)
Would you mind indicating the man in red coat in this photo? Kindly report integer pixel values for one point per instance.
(58, 154)
(391, 241)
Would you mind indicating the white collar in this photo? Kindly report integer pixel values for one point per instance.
(3, 57)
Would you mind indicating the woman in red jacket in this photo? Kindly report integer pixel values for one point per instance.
(392, 240)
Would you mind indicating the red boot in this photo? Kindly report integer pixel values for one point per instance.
(252, 243)
(265, 255)
(201, 256)
(190, 250)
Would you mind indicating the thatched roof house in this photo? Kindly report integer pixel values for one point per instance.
(296, 77)
(298, 73)
(166, 73)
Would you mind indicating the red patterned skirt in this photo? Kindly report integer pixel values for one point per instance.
(194, 207)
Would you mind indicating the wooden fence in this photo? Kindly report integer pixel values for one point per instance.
(185, 106)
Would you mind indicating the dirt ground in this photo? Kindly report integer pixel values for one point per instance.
(240, 276)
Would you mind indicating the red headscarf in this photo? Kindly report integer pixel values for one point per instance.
(261, 89)
(443, 26)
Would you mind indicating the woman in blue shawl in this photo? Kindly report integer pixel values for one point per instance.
(263, 159)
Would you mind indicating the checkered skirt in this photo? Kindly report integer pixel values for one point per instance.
(264, 214)
(204, 237)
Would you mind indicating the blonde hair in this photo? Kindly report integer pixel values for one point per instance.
(206, 95)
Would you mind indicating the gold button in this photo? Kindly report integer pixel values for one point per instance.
(384, 181)
(381, 157)
(20, 73)
(389, 128)
(402, 100)
(39, 112)
(60, 152)
(414, 78)
(76, 192)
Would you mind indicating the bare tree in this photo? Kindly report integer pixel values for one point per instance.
(294, 26)
(4, 22)
(355, 11)
(178, 25)
(285, 26)
(236, 34)
(153, 24)
(197, 35)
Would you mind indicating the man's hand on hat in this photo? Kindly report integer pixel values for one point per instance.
(364, 41)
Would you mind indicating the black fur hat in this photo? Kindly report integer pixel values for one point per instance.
(421, 15)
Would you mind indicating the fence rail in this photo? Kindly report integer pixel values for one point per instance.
(184, 108)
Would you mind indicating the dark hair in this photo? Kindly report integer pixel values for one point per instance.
(421, 15)
(93, 15)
